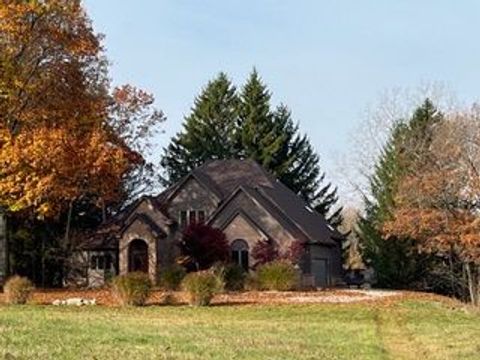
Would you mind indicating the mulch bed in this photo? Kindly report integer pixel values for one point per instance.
(158, 297)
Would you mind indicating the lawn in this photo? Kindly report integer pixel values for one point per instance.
(407, 329)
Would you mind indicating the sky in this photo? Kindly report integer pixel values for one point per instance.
(326, 60)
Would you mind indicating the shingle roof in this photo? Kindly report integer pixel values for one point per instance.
(227, 176)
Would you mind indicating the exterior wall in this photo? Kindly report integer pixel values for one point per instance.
(192, 196)
(3, 248)
(138, 230)
(255, 211)
(240, 228)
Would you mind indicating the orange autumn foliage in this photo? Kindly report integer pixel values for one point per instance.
(59, 139)
(437, 201)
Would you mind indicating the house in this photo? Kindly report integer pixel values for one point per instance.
(237, 196)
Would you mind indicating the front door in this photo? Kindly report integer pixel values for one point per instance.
(138, 256)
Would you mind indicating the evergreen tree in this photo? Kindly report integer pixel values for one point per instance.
(257, 138)
(273, 140)
(208, 133)
(396, 261)
(251, 129)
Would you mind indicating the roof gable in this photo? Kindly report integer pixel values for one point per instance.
(241, 214)
(144, 219)
(209, 187)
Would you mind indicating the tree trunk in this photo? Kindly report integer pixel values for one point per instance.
(104, 212)
(43, 261)
(67, 230)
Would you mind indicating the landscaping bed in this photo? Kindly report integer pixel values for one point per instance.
(158, 297)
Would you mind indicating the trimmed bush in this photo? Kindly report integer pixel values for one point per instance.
(234, 277)
(132, 288)
(202, 287)
(277, 275)
(171, 277)
(18, 290)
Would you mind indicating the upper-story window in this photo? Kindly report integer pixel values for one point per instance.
(188, 217)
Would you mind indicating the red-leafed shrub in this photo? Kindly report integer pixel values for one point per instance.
(295, 252)
(264, 251)
(203, 246)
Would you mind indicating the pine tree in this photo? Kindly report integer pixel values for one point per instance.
(258, 139)
(395, 260)
(251, 129)
(208, 133)
(273, 140)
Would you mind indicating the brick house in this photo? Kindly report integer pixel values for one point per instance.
(237, 196)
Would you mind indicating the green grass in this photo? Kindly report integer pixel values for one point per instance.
(407, 330)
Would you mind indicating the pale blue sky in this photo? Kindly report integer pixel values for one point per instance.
(325, 59)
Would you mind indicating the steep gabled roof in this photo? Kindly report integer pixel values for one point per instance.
(228, 175)
(199, 177)
(312, 223)
(247, 218)
(232, 176)
(225, 179)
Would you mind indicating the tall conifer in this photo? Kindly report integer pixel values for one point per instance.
(250, 129)
(208, 132)
(396, 261)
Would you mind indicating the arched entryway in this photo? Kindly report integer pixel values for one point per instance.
(239, 250)
(138, 256)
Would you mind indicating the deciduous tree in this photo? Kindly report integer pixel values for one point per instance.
(438, 197)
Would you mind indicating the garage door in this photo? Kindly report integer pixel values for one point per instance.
(320, 272)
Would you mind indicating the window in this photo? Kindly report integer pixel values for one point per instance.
(191, 216)
(183, 219)
(239, 251)
(201, 216)
(100, 262)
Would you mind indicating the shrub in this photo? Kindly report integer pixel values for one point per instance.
(132, 288)
(202, 287)
(277, 275)
(18, 290)
(171, 277)
(295, 252)
(204, 245)
(234, 277)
